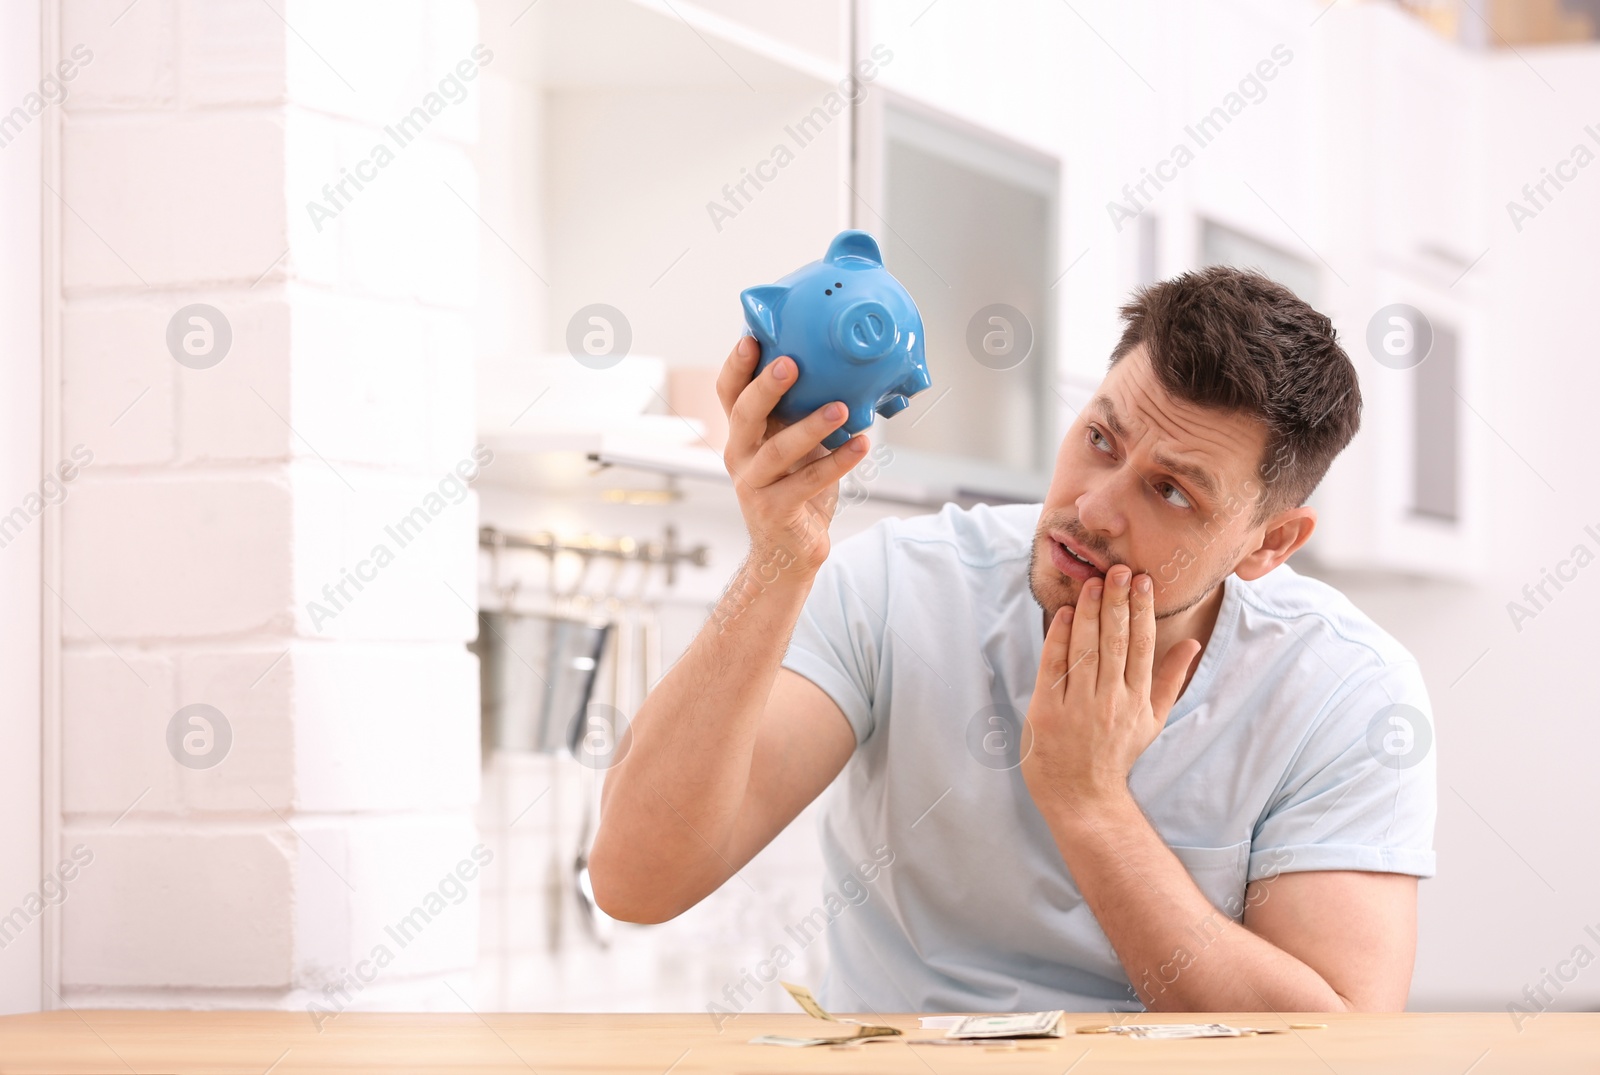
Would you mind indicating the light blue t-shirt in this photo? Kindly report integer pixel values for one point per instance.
(1303, 742)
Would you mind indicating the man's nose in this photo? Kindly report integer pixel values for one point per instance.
(1100, 506)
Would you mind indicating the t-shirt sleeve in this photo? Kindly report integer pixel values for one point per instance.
(838, 640)
(1362, 792)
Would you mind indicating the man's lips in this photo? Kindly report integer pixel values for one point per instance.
(1071, 565)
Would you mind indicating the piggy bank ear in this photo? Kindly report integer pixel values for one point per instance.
(761, 310)
(854, 244)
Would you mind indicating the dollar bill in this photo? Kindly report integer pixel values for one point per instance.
(861, 1034)
(808, 1003)
(1023, 1025)
(802, 996)
(1168, 1031)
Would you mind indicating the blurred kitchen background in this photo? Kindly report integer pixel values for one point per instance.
(307, 268)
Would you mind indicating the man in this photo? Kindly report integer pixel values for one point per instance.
(1199, 781)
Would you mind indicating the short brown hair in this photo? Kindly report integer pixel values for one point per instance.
(1236, 340)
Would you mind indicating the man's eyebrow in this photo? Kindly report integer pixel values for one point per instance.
(1198, 476)
(1109, 415)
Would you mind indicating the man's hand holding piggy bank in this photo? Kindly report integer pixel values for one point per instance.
(852, 330)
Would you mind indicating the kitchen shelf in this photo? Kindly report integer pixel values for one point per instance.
(665, 447)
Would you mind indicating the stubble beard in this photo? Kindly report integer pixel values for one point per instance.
(1044, 576)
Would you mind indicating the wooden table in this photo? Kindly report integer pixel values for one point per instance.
(286, 1043)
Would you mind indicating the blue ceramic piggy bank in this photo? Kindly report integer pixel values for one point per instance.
(852, 330)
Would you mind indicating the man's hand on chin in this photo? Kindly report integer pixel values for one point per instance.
(1098, 701)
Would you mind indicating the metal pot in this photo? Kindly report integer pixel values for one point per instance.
(536, 673)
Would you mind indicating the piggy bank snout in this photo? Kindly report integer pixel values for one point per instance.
(864, 330)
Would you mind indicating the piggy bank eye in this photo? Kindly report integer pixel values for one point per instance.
(837, 284)
(828, 291)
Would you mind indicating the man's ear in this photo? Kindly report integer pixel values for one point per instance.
(1285, 532)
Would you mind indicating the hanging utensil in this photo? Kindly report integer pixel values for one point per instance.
(536, 669)
(651, 643)
(604, 730)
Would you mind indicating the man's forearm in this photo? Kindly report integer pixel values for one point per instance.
(671, 805)
(1180, 952)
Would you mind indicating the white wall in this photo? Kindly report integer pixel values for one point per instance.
(221, 501)
(21, 463)
(1516, 710)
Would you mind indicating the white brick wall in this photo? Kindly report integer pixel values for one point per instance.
(113, 720)
(235, 52)
(180, 907)
(157, 198)
(135, 62)
(119, 384)
(220, 501)
(152, 554)
(362, 755)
